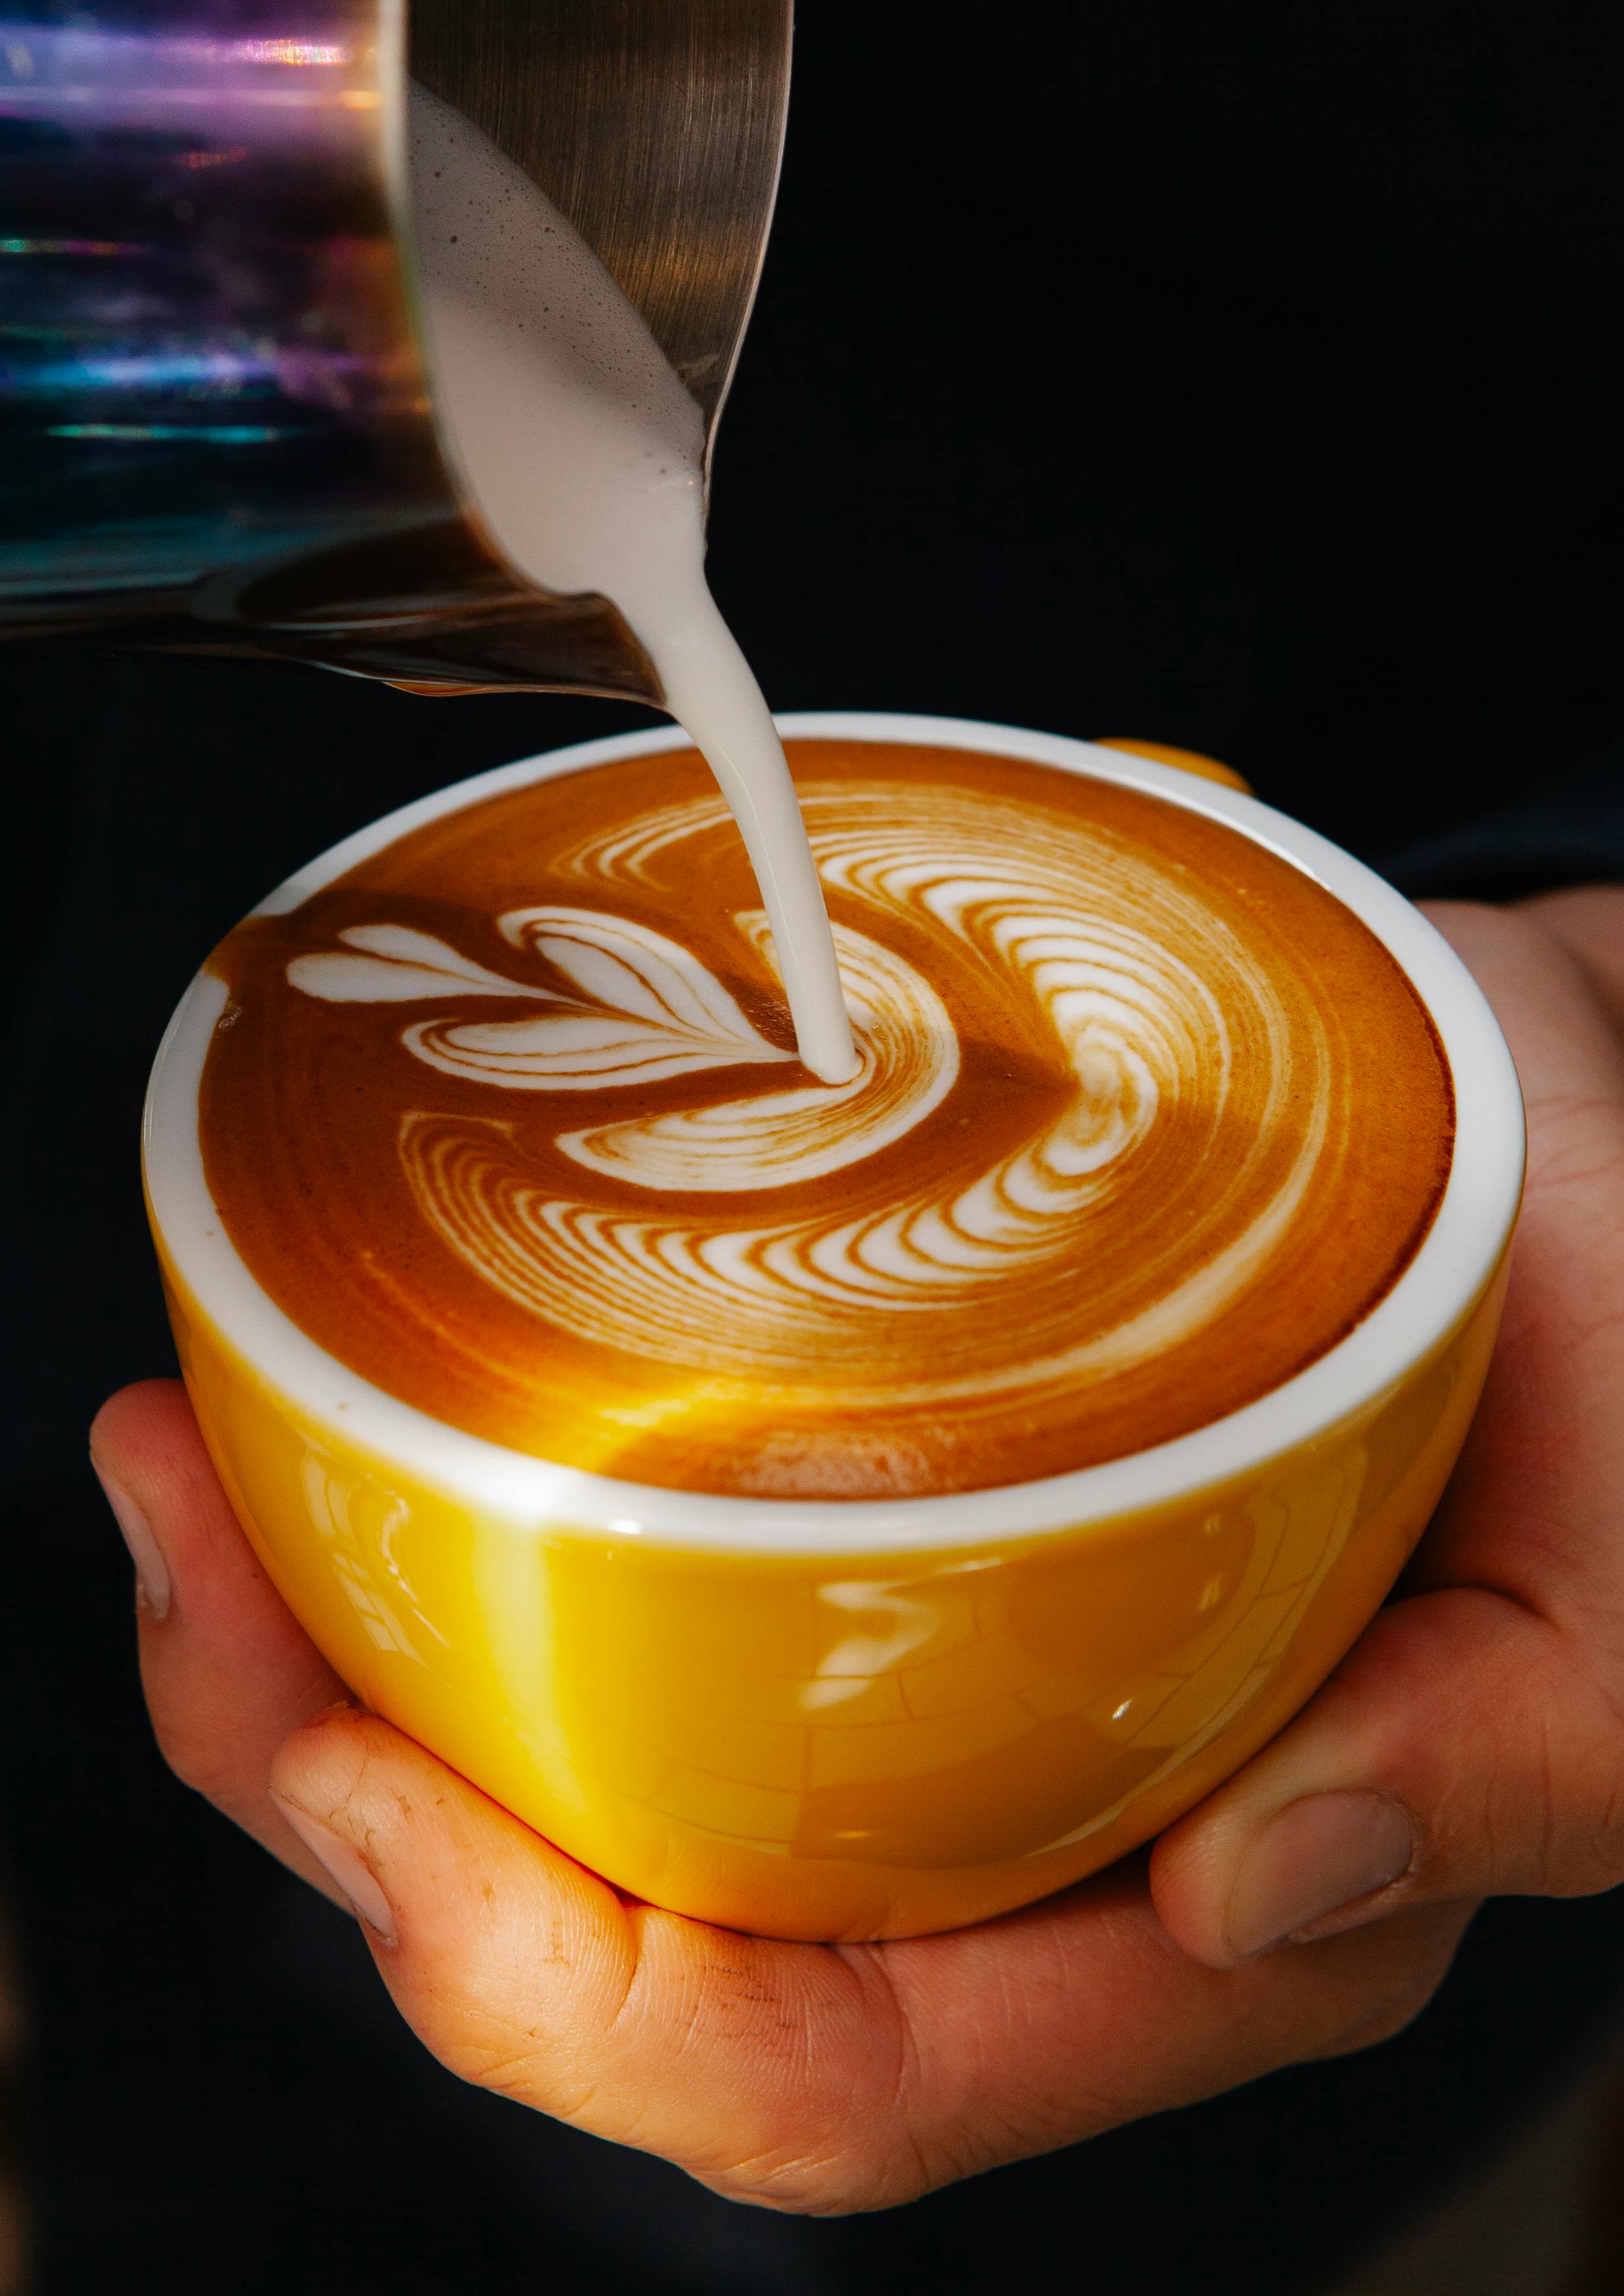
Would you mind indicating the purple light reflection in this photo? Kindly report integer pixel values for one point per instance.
(73, 247)
(116, 75)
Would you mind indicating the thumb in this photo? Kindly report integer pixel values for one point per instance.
(1463, 1748)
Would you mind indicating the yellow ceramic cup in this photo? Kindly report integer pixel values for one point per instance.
(822, 1719)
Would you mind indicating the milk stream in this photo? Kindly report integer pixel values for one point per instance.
(584, 454)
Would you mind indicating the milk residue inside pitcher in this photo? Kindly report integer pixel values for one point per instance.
(585, 454)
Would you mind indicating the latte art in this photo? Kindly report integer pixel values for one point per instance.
(811, 1302)
(1142, 1121)
(645, 1010)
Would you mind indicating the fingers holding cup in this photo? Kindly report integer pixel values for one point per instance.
(809, 2078)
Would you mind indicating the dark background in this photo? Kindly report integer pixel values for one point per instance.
(1239, 377)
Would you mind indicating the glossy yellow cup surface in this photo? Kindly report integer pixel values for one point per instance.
(831, 1736)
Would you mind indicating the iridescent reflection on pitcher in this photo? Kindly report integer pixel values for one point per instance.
(215, 429)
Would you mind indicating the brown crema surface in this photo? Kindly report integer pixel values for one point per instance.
(509, 1120)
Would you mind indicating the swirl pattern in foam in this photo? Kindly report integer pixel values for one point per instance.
(1143, 1121)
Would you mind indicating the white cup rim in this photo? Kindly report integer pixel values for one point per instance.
(1456, 1259)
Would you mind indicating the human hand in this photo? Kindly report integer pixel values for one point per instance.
(833, 2077)
(1471, 1744)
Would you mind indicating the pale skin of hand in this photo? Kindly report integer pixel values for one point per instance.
(1480, 1722)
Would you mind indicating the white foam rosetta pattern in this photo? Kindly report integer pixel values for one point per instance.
(1192, 1121)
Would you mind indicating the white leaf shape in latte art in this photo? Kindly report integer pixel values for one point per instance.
(646, 1010)
(400, 966)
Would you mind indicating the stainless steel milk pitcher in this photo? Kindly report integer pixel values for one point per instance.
(216, 431)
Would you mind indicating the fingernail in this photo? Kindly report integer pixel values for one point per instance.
(1320, 1856)
(345, 1866)
(152, 1586)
